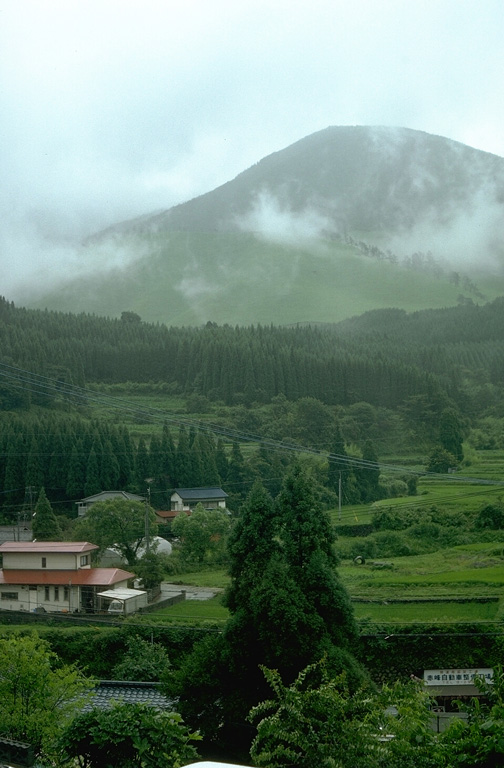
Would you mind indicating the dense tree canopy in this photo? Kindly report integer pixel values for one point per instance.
(316, 721)
(395, 379)
(38, 695)
(130, 736)
(143, 660)
(382, 358)
(203, 534)
(119, 524)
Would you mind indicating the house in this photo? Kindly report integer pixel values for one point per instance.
(20, 531)
(54, 576)
(183, 499)
(165, 518)
(84, 504)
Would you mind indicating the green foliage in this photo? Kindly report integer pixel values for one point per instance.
(340, 475)
(391, 488)
(366, 360)
(368, 474)
(314, 423)
(203, 535)
(38, 695)
(143, 660)
(391, 544)
(45, 524)
(393, 518)
(130, 736)
(150, 568)
(490, 516)
(451, 433)
(251, 544)
(440, 461)
(98, 648)
(316, 722)
(287, 605)
(480, 741)
(117, 523)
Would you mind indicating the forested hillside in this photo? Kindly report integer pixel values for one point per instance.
(382, 357)
(377, 384)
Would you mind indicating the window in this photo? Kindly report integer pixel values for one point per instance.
(56, 593)
(84, 559)
(46, 594)
(9, 595)
(66, 593)
(44, 562)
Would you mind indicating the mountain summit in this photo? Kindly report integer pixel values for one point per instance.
(359, 178)
(342, 221)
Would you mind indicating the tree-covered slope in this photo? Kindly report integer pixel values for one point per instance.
(381, 358)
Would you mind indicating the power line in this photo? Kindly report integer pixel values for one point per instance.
(27, 381)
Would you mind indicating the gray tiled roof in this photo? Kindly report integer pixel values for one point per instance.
(105, 495)
(128, 693)
(201, 493)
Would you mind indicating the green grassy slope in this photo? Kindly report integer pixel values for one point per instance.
(190, 278)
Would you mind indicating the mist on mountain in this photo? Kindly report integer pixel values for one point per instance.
(399, 191)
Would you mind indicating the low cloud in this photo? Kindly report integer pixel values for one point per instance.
(471, 236)
(38, 265)
(270, 220)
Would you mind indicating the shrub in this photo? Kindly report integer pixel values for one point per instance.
(392, 518)
(427, 530)
(490, 516)
(391, 544)
(392, 488)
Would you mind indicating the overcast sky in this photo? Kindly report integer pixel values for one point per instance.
(114, 108)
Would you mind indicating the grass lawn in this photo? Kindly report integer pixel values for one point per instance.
(213, 578)
(192, 612)
(433, 613)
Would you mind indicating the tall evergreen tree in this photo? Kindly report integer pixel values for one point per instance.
(237, 475)
(368, 474)
(109, 467)
(76, 478)
(205, 446)
(167, 459)
(221, 461)
(34, 474)
(142, 466)
(45, 524)
(183, 460)
(340, 474)
(287, 606)
(451, 433)
(251, 544)
(127, 459)
(14, 481)
(92, 484)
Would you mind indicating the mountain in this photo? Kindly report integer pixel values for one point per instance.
(357, 178)
(345, 220)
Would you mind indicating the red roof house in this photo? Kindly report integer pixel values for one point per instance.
(54, 576)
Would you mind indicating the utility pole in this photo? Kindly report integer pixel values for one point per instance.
(147, 510)
(339, 497)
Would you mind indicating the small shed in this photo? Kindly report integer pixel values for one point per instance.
(122, 602)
